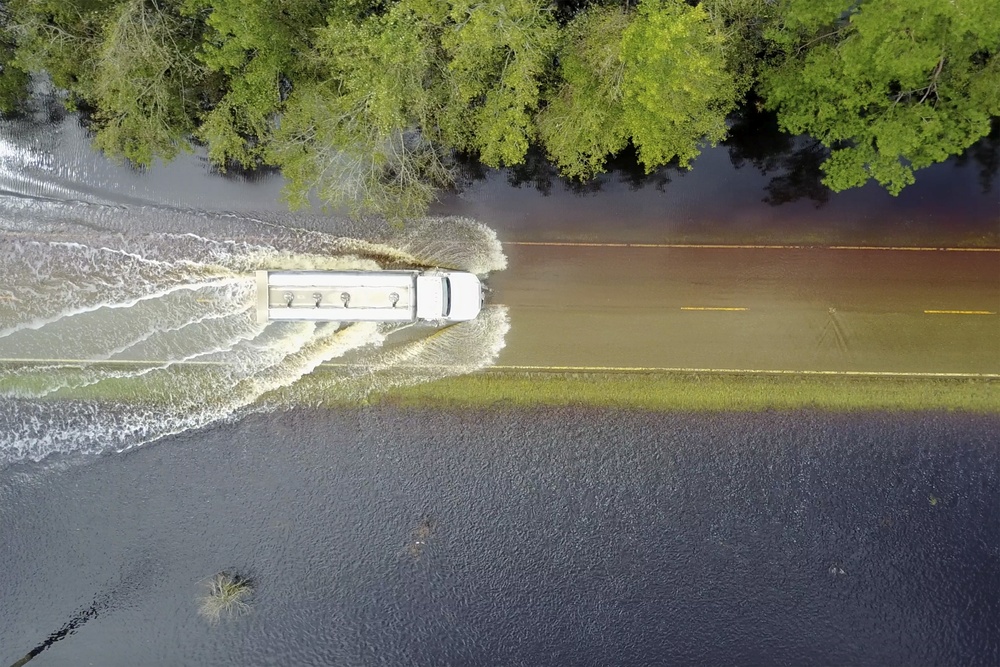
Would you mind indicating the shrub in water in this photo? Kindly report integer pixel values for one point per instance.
(227, 596)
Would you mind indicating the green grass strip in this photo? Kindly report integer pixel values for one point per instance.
(705, 392)
(646, 391)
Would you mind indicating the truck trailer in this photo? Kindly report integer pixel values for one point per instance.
(368, 296)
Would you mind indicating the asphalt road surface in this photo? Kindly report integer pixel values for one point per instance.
(751, 308)
(579, 306)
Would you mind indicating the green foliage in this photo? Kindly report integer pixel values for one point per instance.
(890, 85)
(59, 37)
(357, 139)
(255, 45)
(656, 76)
(386, 67)
(498, 51)
(361, 102)
(677, 92)
(742, 25)
(13, 79)
(143, 75)
(584, 123)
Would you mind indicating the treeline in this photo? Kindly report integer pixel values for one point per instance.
(367, 102)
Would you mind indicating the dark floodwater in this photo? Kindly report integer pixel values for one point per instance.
(549, 537)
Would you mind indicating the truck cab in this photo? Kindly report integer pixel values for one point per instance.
(452, 296)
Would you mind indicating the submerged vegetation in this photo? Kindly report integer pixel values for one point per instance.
(227, 596)
(737, 392)
(657, 391)
(367, 103)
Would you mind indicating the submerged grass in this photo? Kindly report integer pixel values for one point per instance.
(707, 392)
(226, 596)
(646, 391)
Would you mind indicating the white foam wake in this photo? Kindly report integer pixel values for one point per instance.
(111, 342)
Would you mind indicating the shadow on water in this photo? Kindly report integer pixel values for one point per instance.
(541, 175)
(756, 138)
(779, 199)
(986, 154)
(100, 604)
(104, 602)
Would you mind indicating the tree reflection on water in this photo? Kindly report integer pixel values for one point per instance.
(795, 161)
(755, 139)
(985, 153)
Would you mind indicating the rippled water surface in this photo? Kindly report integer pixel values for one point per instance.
(391, 537)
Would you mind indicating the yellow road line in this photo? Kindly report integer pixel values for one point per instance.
(558, 369)
(748, 371)
(914, 248)
(709, 308)
(724, 246)
(586, 244)
(960, 312)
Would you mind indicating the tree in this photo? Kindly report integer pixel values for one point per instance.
(258, 47)
(143, 83)
(741, 25)
(13, 79)
(358, 137)
(584, 121)
(498, 51)
(890, 86)
(656, 77)
(58, 37)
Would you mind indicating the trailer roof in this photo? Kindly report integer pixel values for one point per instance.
(346, 279)
(336, 296)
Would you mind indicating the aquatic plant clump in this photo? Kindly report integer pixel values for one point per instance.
(227, 596)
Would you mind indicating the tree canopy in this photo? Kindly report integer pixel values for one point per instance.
(142, 86)
(497, 52)
(890, 85)
(655, 77)
(365, 104)
(255, 48)
(361, 134)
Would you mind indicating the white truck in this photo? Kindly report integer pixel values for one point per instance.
(368, 296)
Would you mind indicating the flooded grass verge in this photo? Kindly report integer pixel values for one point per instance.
(707, 392)
(665, 392)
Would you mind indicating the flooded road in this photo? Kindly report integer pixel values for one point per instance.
(161, 330)
(112, 265)
(752, 308)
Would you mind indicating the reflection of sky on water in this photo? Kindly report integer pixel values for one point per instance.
(54, 159)
(560, 537)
